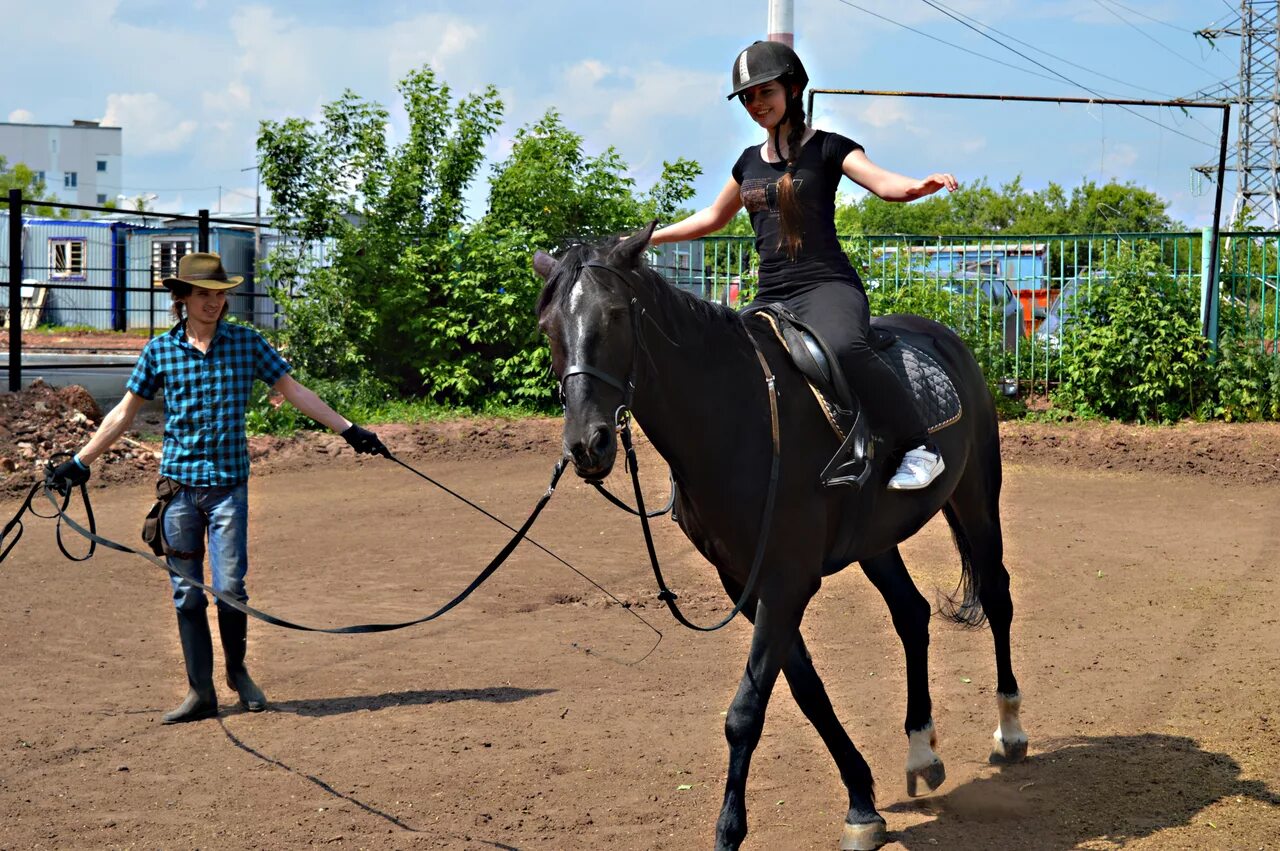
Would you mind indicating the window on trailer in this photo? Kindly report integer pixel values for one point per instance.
(66, 258)
(165, 254)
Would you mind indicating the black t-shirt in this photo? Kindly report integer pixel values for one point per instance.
(818, 173)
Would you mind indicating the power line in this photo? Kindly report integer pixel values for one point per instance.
(1055, 56)
(1141, 14)
(958, 47)
(1165, 95)
(1062, 76)
(1166, 48)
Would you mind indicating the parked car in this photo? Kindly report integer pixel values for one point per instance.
(1002, 300)
(1065, 308)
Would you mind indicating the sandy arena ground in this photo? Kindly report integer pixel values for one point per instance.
(1146, 634)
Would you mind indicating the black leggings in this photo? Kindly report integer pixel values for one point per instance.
(839, 312)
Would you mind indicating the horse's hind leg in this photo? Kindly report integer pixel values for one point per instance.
(910, 612)
(975, 524)
(864, 829)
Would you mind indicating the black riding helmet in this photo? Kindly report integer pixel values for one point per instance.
(765, 61)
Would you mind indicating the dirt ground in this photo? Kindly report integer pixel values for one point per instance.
(1147, 643)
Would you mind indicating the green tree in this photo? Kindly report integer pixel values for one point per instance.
(380, 305)
(548, 192)
(20, 176)
(979, 208)
(408, 297)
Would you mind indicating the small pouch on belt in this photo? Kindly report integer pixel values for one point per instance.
(153, 525)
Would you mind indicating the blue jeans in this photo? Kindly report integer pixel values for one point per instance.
(220, 514)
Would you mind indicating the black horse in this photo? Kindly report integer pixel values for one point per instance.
(702, 399)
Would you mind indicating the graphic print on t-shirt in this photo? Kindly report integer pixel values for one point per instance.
(761, 194)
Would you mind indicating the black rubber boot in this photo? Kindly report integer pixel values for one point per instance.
(197, 650)
(233, 626)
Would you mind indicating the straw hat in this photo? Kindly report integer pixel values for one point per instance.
(203, 269)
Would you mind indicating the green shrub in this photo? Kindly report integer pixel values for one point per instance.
(1247, 374)
(1136, 351)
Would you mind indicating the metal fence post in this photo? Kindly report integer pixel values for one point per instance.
(151, 301)
(1209, 285)
(203, 240)
(15, 290)
(119, 280)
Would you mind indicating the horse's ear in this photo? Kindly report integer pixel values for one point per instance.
(630, 249)
(544, 264)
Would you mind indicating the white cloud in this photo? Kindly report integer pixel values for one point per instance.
(21, 116)
(433, 40)
(650, 113)
(151, 124)
(1119, 159)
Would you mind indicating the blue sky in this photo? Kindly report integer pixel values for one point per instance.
(190, 82)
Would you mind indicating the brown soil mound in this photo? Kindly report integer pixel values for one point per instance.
(41, 421)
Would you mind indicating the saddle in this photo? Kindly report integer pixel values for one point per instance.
(932, 388)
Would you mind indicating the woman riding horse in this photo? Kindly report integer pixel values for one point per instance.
(788, 186)
(720, 401)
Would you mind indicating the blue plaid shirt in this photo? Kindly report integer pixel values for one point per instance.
(205, 396)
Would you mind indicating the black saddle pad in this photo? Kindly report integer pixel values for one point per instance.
(934, 392)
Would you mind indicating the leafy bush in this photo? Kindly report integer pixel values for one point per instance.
(1248, 375)
(1136, 350)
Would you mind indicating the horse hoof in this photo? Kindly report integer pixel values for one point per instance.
(1007, 753)
(863, 837)
(933, 775)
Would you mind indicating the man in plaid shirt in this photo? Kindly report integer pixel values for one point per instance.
(206, 367)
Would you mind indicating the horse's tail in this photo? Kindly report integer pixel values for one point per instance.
(963, 606)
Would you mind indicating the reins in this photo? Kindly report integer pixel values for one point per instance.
(16, 522)
(91, 535)
(623, 425)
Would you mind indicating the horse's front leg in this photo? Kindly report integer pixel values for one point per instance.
(777, 626)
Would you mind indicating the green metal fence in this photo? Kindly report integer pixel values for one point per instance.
(1020, 292)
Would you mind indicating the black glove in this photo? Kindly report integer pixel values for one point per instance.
(364, 441)
(67, 475)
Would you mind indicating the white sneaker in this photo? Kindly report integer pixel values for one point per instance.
(918, 470)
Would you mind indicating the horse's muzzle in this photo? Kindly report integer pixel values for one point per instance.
(593, 452)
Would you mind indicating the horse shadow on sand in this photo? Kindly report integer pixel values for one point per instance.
(327, 706)
(1110, 789)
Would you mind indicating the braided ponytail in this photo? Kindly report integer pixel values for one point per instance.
(791, 231)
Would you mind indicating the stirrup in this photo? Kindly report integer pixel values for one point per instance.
(851, 465)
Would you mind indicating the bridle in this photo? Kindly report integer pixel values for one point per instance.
(622, 425)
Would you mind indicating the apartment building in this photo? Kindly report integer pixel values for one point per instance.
(81, 163)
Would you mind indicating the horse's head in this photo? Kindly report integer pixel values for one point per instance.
(586, 312)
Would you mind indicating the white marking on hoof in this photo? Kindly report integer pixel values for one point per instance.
(1011, 740)
(863, 837)
(923, 763)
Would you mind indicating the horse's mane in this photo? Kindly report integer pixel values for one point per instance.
(682, 307)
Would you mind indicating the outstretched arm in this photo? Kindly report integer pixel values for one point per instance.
(304, 399)
(705, 221)
(890, 186)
